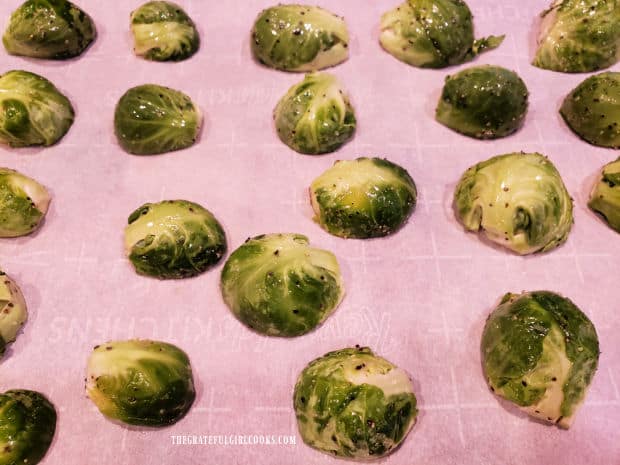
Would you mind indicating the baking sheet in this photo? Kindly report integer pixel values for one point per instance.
(418, 298)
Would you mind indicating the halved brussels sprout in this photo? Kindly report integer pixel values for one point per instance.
(352, 403)
(592, 110)
(432, 33)
(362, 198)
(517, 200)
(299, 38)
(13, 312)
(27, 427)
(33, 111)
(315, 116)
(54, 29)
(162, 31)
(23, 203)
(605, 197)
(278, 285)
(140, 382)
(152, 119)
(540, 352)
(485, 102)
(579, 36)
(173, 239)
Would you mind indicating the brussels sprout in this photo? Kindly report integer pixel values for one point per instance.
(540, 352)
(54, 29)
(351, 403)
(27, 427)
(299, 38)
(517, 200)
(23, 203)
(592, 110)
(605, 197)
(432, 33)
(152, 119)
(579, 36)
(13, 313)
(33, 111)
(485, 102)
(162, 31)
(315, 116)
(140, 382)
(278, 285)
(173, 239)
(362, 198)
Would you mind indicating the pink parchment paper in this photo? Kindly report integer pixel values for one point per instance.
(419, 298)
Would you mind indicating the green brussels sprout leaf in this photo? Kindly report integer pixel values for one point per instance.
(152, 119)
(27, 427)
(53, 29)
(162, 31)
(517, 200)
(605, 196)
(278, 285)
(32, 110)
(579, 36)
(23, 203)
(173, 239)
(351, 403)
(315, 116)
(540, 352)
(13, 311)
(363, 198)
(592, 110)
(140, 382)
(299, 38)
(483, 45)
(433, 33)
(484, 102)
